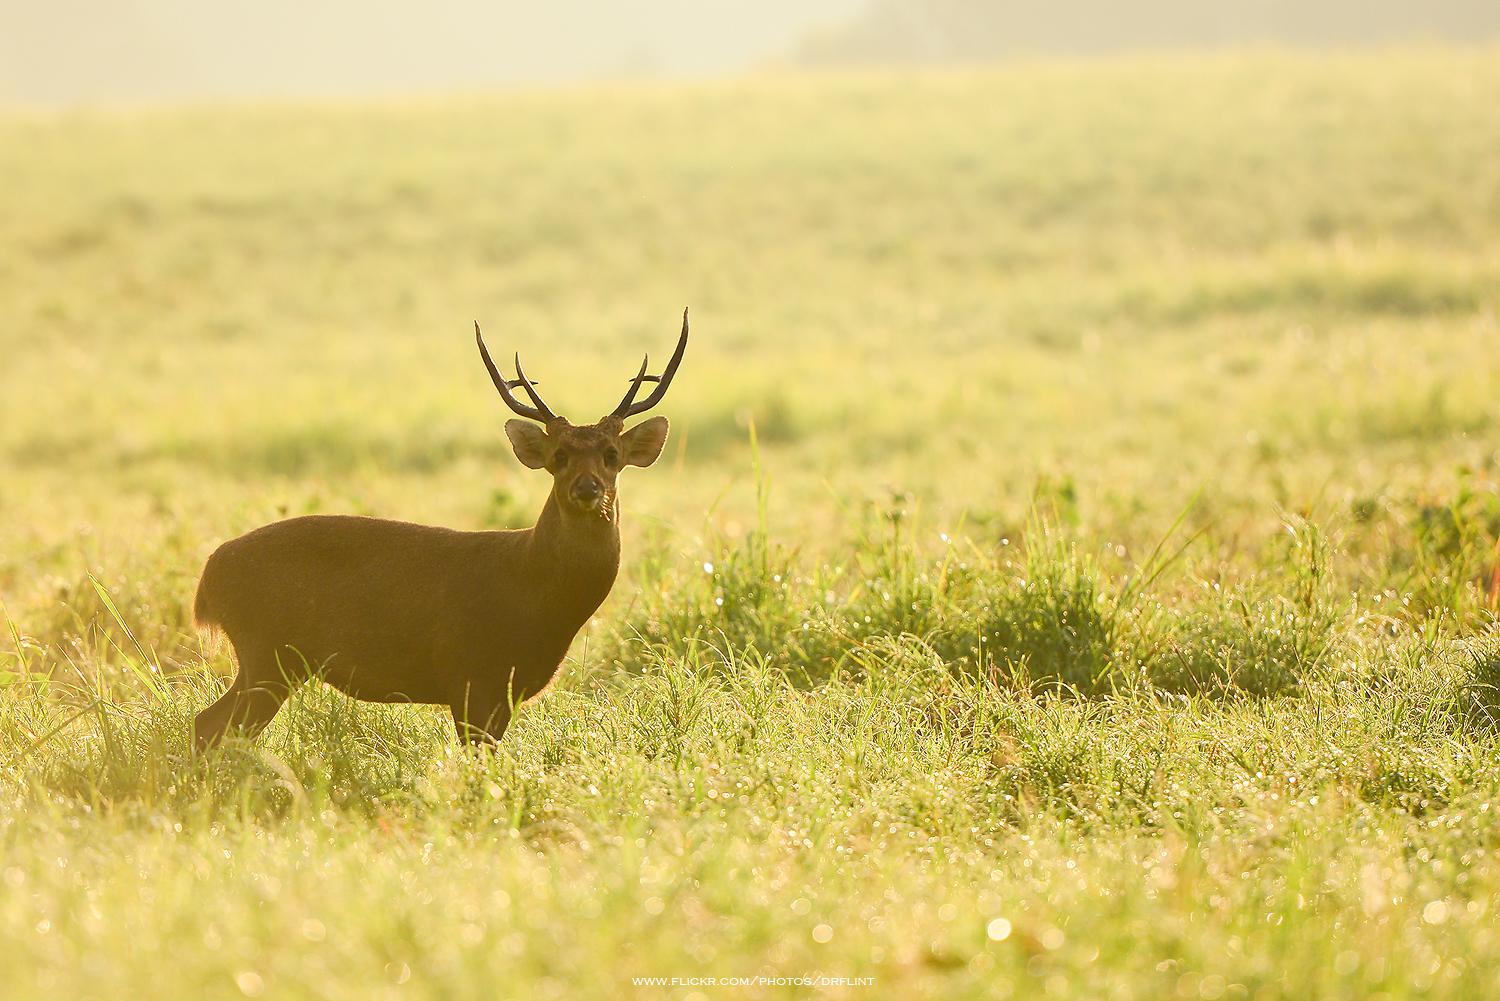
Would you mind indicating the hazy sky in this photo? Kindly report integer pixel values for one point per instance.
(84, 51)
(62, 52)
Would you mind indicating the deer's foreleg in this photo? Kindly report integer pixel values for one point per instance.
(481, 721)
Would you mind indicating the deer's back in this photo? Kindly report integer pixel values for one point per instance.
(389, 599)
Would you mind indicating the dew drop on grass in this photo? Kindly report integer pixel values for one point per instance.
(998, 930)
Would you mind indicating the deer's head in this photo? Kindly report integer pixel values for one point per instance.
(585, 460)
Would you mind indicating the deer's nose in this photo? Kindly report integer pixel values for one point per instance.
(587, 488)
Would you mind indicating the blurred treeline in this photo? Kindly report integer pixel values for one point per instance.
(978, 30)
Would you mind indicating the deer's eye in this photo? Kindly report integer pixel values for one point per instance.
(611, 457)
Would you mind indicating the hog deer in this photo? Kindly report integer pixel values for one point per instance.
(388, 611)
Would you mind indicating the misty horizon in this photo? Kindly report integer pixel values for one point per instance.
(72, 53)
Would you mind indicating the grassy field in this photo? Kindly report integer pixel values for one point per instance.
(1072, 571)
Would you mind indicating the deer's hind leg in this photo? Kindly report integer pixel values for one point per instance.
(259, 690)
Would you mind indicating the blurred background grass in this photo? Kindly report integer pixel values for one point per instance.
(1140, 278)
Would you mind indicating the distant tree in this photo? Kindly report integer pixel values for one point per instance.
(978, 30)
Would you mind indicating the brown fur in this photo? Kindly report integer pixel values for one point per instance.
(390, 611)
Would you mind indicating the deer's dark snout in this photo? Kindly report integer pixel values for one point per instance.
(587, 489)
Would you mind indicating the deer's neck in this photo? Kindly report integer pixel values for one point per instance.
(576, 554)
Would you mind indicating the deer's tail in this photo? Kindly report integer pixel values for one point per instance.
(203, 609)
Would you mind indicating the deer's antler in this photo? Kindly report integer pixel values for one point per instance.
(628, 407)
(540, 412)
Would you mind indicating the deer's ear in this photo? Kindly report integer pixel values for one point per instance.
(642, 444)
(529, 442)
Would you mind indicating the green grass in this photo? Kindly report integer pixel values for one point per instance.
(1102, 605)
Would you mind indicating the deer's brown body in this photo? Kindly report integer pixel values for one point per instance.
(389, 611)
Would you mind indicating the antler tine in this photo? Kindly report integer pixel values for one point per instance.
(536, 397)
(540, 412)
(628, 407)
(635, 386)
